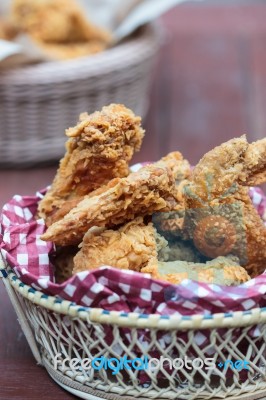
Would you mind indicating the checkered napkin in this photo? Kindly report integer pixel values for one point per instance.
(110, 288)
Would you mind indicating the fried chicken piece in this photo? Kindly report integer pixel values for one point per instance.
(142, 193)
(179, 250)
(136, 246)
(181, 170)
(254, 172)
(133, 246)
(171, 223)
(98, 150)
(221, 271)
(220, 216)
(56, 21)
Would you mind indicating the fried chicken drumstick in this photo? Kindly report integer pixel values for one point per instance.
(98, 150)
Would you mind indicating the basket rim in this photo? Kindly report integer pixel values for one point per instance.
(132, 319)
(119, 57)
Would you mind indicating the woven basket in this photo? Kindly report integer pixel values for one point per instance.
(53, 326)
(37, 103)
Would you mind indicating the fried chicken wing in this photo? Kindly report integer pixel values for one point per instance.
(220, 216)
(142, 193)
(133, 247)
(98, 150)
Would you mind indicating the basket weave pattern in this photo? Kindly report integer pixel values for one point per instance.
(76, 338)
(37, 103)
(59, 326)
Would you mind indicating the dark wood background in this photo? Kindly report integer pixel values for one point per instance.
(209, 86)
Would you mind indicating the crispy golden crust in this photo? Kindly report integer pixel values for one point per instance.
(221, 178)
(216, 172)
(150, 189)
(98, 150)
(180, 167)
(254, 164)
(211, 206)
(222, 271)
(231, 163)
(138, 247)
(56, 21)
(255, 233)
(133, 246)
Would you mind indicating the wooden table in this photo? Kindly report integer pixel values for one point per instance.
(209, 85)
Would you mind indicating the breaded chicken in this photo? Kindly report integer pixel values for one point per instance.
(98, 150)
(133, 247)
(179, 250)
(56, 21)
(142, 193)
(137, 246)
(220, 216)
(222, 270)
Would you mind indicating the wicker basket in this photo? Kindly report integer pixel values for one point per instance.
(37, 103)
(53, 326)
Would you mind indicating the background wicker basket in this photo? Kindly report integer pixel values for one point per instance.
(53, 326)
(37, 103)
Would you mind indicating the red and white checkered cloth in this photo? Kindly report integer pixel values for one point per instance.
(110, 288)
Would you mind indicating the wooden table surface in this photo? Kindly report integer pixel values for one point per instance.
(209, 86)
